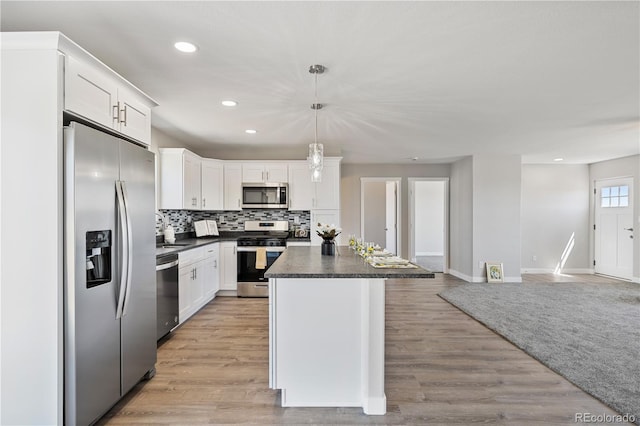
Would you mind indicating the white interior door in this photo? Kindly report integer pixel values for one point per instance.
(614, 227)
(390, 217)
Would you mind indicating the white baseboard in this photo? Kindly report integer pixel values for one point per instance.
(460, 275)
(552, 271)
(429, 253)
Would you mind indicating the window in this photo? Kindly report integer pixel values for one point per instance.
(615, 196)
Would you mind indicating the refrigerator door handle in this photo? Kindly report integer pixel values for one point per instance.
(125, 249)
(129, 248)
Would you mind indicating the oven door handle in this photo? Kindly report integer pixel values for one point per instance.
(254, 249)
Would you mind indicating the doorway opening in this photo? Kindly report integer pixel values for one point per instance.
(380, 212)
(428, 223)
(613, 239)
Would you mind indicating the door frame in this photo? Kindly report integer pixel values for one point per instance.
(594, 206)
(412, 205)
(398, 181)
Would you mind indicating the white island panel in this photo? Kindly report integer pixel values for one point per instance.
(327, 342)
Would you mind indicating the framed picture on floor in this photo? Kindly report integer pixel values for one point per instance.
(494, 273)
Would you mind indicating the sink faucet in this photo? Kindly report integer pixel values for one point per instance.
(164, 221)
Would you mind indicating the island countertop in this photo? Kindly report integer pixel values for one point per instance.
(308, 262)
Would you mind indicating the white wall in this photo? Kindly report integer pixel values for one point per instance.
(31, 254)
(555, 207)
(350, 192)
(621, 167)
(429, 218)
(461, 219)
(496, 214)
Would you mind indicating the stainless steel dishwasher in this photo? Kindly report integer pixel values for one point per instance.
(167, 298)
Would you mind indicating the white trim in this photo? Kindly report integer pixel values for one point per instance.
(552, 270)
(412, 244)
(481, 280)
(398, 180)
(462, 276)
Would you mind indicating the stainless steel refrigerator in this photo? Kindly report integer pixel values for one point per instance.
(110, 289)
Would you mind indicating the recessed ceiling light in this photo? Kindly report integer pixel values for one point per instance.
(185, 46)
(558, 159)
(229, 103)
(251, 131)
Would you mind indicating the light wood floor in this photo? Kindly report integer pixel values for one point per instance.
(442, 367)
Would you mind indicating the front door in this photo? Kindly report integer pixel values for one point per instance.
(614, 227)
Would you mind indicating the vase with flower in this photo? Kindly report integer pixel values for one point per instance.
(328, 233)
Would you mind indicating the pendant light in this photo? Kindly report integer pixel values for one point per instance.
(316, 150)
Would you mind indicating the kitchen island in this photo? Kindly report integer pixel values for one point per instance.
(326, 328)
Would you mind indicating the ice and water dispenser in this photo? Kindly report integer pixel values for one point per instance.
(98, 252)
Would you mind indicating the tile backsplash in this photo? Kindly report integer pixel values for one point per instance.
(182, 220)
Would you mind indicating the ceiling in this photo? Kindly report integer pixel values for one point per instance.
(433, 80)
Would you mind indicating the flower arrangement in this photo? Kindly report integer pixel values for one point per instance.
(327, 232)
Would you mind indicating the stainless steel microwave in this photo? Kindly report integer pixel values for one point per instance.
(265, 195)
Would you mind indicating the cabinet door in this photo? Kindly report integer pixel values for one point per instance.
(331, 217)
(229, 261)
(197, 286)
(212, 187)
(253, 173)
(276, 172)
(191, 181)
(90, 93)
(212, 276)
(301, 188)
(184, 294)
(134, 117)
(327, 194)
(233, 186)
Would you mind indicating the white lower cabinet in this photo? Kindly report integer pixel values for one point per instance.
(198, 279)
(229, 266)
(212, 271)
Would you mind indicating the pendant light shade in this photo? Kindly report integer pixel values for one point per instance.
(316, 150)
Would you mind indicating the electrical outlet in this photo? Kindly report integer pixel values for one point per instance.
(296, 220)
(221, 218)
(480, 264)
(534, 258)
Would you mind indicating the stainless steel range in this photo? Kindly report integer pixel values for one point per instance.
(264, 241)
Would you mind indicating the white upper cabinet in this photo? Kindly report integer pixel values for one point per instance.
(307, 195)
(301, 189)
(260, 172)
(212, 188)
(233, 186)
(327, 194)
(192, 180)
(134, 117)
(94, 93)
(180, 179)
(90, 93)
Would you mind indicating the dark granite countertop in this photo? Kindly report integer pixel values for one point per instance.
(308, 262)
(190, 241)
